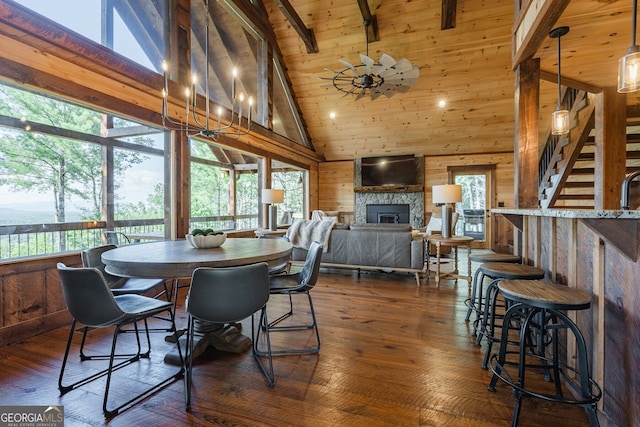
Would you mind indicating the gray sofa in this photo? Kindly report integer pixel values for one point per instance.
(373, 247)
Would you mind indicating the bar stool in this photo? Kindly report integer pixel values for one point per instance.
(496, 271)
(474, 302)
(535, 307)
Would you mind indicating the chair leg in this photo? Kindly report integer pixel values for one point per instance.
(188, 362)
(263, 324)
(285, 315)
(313, 325)
(84, 356)
(130, 358)
(108, 413)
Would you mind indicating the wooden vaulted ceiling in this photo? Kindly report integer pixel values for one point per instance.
(463, 49)
(470, 65)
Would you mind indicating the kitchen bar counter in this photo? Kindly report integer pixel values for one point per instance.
(596, 251)
(619, 228)
(572, 213)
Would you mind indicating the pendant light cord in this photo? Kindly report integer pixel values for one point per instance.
(559, 59)
(633, 23)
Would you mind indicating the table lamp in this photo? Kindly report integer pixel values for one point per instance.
(445, 195)
(272, 197)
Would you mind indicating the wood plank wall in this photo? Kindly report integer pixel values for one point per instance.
(336, 185)
(576, 256)
(31, 298)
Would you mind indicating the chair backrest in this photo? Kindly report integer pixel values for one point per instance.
(92, 258)
(112, 237)
(308, 276)
(88, 297)
(223, 295)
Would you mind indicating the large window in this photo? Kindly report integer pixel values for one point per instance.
(292, 181)
(134, 29)
(138, 30)
(59, 165)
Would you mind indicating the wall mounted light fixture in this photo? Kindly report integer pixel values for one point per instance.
(560, 124)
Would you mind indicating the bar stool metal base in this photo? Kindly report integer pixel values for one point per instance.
(536, 309)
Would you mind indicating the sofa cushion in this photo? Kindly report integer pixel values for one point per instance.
(380, 227)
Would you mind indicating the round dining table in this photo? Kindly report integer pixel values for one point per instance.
(174, 259)
(177, 259)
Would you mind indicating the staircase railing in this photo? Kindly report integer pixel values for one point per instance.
(563, 149)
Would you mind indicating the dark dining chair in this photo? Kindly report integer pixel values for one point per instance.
(92, 304)
(229, 295)
(298, 283)
(157, 288)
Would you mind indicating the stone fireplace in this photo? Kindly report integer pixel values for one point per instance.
(409, 195)
(414, 200)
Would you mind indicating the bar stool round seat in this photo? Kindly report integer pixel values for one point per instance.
(475, 298)
(494, 257)
(474, 302)
(484, 324)
(538, 309)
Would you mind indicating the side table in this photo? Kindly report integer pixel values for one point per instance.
(265, 232)
(454, 241)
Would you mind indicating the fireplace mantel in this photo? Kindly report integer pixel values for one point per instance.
(390, 189)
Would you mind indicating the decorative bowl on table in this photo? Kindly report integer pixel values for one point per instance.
(200, 241)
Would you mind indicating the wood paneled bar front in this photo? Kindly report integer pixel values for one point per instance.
(596, 251)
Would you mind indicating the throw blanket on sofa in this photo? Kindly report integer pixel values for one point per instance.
(303, 232)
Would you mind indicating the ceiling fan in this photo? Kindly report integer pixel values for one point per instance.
(385, 77)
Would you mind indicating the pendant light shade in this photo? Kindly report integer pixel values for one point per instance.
(560, 125)
(629, 64)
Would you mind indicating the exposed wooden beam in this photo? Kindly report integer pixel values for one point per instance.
(448, 19)
(569, 82)
(371, 22)
(532, 27)
(611, 148)
(527, 134)
(306, 34)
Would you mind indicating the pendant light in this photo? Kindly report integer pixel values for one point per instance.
(560, 124)
(629, 64)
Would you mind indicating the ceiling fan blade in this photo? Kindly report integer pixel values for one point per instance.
(384, 64)
(408, 78)
(403, 65)
(367, 62)
(348, 65)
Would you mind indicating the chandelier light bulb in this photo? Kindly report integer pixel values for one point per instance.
(193, 125)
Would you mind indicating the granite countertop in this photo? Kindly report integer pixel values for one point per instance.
(572, 213)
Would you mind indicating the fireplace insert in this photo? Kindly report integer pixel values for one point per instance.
(388, 214)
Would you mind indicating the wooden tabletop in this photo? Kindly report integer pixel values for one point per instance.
(545, 295)
(178, 259)
(453, 240)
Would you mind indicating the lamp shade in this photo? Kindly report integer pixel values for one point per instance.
(271, 196)
(447, 193)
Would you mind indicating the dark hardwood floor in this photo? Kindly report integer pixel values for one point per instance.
(392, 354)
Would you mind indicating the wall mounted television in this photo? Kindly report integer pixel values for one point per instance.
(389, 170)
